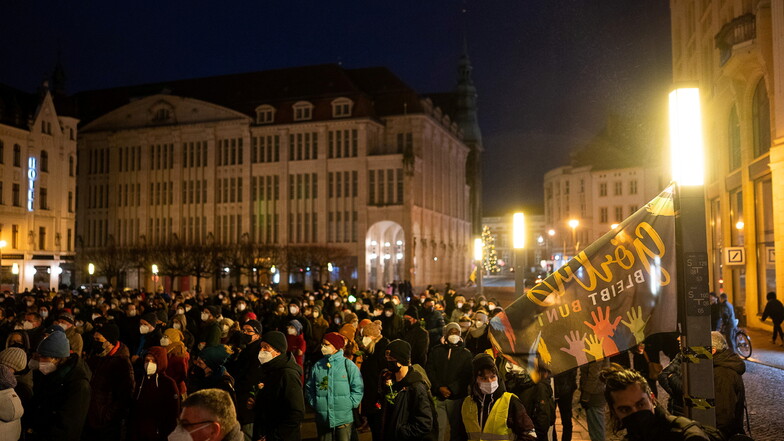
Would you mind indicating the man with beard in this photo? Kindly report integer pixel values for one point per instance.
(416, 336)
(633, 407)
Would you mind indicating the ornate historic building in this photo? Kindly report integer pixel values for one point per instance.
(299, 157)
(37, 191)
(734, 51)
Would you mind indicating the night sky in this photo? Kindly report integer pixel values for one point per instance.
(548, 72)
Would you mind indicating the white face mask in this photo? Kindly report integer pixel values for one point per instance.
(366, 341)
(315, 315)
(180, 434)
(176, 325)
(241, 307)
(265, 357)
(459, 305)
(205, 316)
(131, 313)
(150, 367)
(144, 329)
(180, 311)
(44, 314)
(326, 350)
(165, 341)
(293, 310)
(27, 325)
(453, 339)
(388, 313)
(291, 331)
(46, 367)
(488, 388)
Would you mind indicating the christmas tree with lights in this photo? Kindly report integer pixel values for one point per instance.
(490, 263)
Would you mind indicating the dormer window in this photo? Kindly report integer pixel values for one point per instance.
(303, 111)
(161, 112)
(341, 108)
(265, 114)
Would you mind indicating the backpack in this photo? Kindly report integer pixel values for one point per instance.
(682, 424)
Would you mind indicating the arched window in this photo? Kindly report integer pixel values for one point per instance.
(734, 139)
(303, 111)
(44, 161)
(265, 114)
(342, 107)
(760, 117)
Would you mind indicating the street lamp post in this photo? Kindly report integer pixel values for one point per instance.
(91, 271)
(686, 148)
(573, 224)
(518, 244)
(478, 256)
(154, 278)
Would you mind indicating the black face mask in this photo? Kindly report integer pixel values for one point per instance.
(245, 339)
(392, 366)
(641, 424)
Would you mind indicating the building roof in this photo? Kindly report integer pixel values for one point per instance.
(17, 108)
(375, 91)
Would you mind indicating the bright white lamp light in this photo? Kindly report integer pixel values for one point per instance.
(518, 230)
(478, 251)
(686, 144)
(91, 269)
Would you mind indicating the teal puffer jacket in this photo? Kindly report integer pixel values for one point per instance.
(334, 388)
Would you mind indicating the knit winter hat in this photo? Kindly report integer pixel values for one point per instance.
(450, 325)
(214, 310)
(174, 335)
(335, 340)
(214, 356)
(14, 358)
(372, 329)
(483, 361)
(350, 317)
(255, 324)
(400, 350)
(277, 340)
(348, 331)
(55, 345)
(110, 332)
(412, 312)
(363, 323)
(67, 316)
(296, 325)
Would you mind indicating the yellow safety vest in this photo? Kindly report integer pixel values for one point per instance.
(495, 426)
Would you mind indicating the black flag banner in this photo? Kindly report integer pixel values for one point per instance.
(605, 300)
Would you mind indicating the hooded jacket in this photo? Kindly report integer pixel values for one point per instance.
(112, 386)
(537, 398)
(60, 401)
(280, 403)
(157, 402)
(730, 391)
(449, 366)
(517, 420)
(334, 390)
(411, 416)
(11, 411)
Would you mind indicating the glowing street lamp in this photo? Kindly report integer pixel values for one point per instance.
(688, 173)
(478, 256)
(91, 271)
(518, 244)
(2, 245)
(573, 224)
(154, 278)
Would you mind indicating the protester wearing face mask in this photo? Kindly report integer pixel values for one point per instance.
(434, 321)
(416, 336)
(32, 324)
(457, 311)
(634, 408)
(477, 340)
(296, 342)
(12, 360)
(334, 390)
(111, 385)
(296, 313)
(279, 404)
(210, 328)
(407, 407)
(393, 324)
(208, 371)
(449, 370)
(490, 412)
(66, 321)
(180, 323)
(156, 400)
(178, 358)
(207, 415)
(246, 370)
(149, 335)
(374, 345)
(61, 391)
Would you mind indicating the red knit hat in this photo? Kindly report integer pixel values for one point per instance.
(335, 340)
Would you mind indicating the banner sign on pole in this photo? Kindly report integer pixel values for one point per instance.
(605, 300)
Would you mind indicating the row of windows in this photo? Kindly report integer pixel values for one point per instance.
(303, 227)
(618, 188)
(43, 197)
(265, 188)
(161, 156)
(340, 186)
(342, 143)
(230, 151)
(264, 228)
(159, 229)
(193, 229)
(385, 187)
(195, 192)
(98, 196)
(229, 228)
(129, 195)
(303, 186)
(97, 232)
(43, 165)
(128, 230)
(265, 149)
(229, 190)
(303, 146)
(619, 216)
(98, 160)
(303, 111)
(342, 226)
(161, 193)
(194, 154)
(130, 158)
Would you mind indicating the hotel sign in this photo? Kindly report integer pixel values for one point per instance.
(32, 174)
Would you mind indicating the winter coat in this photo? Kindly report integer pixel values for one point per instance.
(280, 404)
(411, 416)
(517, 418)
(112, 385)
(296, 343)
(730, 392)
(449, 366)
(537, 398)
(591, 387)
(334, 390)
(10, 415)
(392, 327)
(371, 368)
(671, 380)
(480, 344)
(667, 427)
(75, 341)
(247, 383)
(775, 310)
(157, 403)
(419, 340)
(177, 369)
(61, 401)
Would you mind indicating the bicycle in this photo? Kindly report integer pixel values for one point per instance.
(743, 343)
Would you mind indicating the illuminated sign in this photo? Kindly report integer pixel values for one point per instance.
(32, 174)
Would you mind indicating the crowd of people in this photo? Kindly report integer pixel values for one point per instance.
(247, 364)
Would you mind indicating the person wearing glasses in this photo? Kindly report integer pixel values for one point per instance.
(207, 415)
